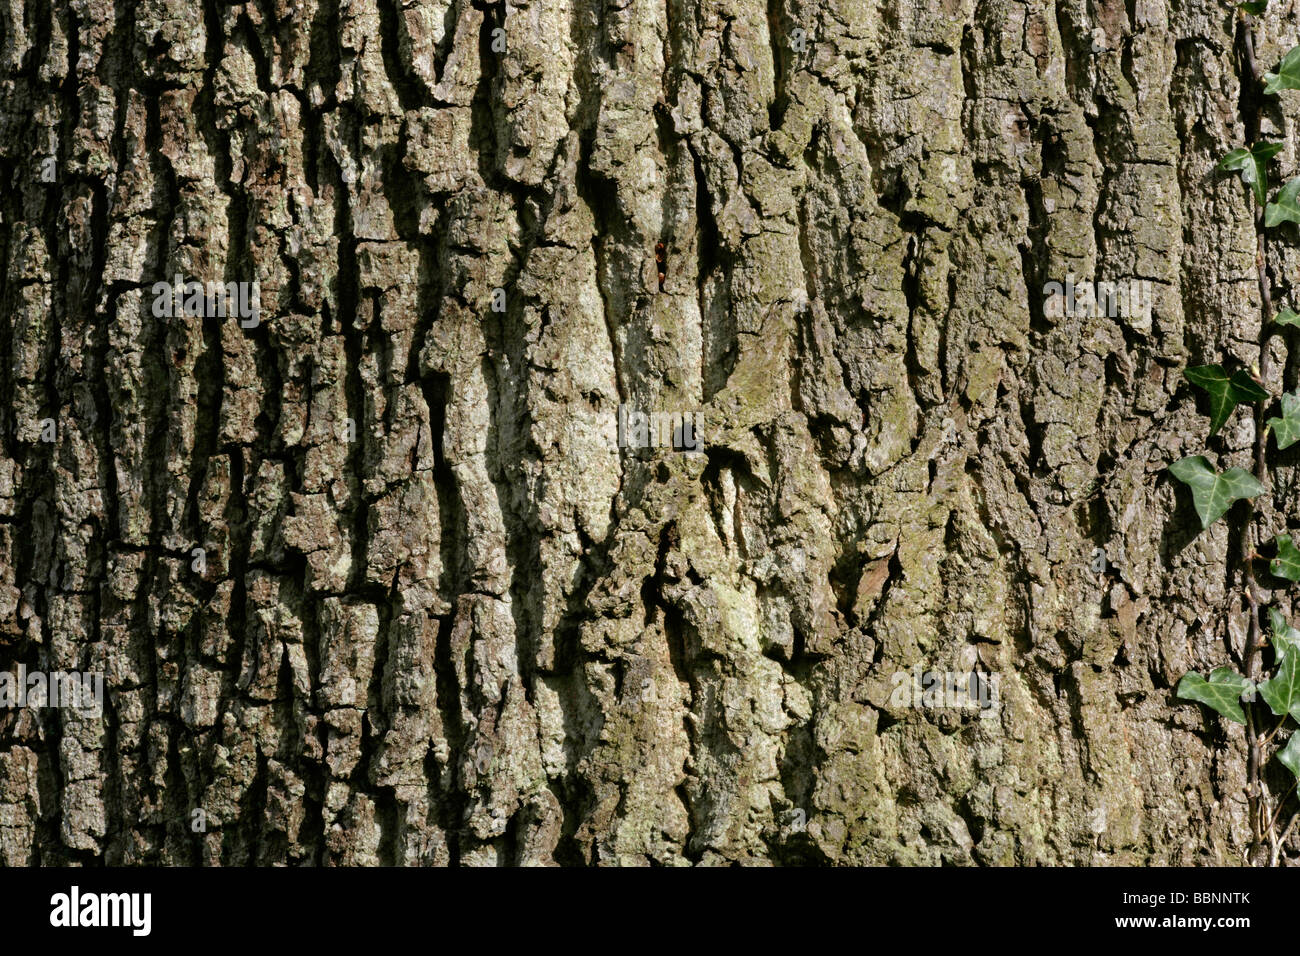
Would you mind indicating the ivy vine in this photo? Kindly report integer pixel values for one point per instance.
(1237, 696)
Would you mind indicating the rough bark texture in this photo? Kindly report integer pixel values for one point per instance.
(481, 632)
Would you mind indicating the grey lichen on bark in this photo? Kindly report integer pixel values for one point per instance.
(444, 618)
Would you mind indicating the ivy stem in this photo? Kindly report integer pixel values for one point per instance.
(1277, 814)
(1251, 118)
(1280, 725)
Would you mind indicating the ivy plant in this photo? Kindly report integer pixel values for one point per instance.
(1262, 696)
(1287, 76)
(1252, 164)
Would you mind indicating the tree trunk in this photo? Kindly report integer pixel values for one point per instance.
(378, 575)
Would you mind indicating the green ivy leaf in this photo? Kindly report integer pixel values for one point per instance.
(1287, 317)
(1214, 494)
(1253, 165)
(1290, 754)
(1285, 637)
(1287, 207)
(1246, 389)
(1225, 392)
(1287, 563)
(1253, 7)
(1287, 428)
(1287, 76)
(1282, 691)
(1277, 621)
(1222, 692)
(1240, 160)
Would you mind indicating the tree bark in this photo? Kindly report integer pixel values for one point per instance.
(372, 581)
